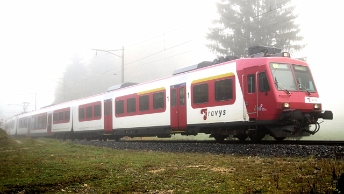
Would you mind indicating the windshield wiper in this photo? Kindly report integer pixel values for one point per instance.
(276, 83)
(301, 86)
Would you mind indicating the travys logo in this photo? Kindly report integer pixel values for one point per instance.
(212, 113)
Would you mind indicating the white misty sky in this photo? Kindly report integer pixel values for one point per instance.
(38, 39)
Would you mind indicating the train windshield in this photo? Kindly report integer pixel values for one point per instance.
(304, 78)
(283, 77)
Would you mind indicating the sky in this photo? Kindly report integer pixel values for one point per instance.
(38, 39)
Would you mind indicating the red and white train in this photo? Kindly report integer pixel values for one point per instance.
(266, 94)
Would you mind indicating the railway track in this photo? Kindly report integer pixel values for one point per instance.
(286, 142)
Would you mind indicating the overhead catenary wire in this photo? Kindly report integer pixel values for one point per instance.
(169, 48)
(148, 39)
(166, 49)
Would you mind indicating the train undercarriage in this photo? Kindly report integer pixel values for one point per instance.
(291, 124)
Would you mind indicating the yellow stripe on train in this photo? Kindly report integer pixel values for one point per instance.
(151, 91)
(212, 78)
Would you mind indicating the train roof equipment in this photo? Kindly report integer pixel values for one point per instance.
(193, 67)
(119, 86)
(265, 51)
(204, 64)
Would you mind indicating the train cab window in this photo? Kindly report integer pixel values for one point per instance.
(67, 115)
(304, 78)
(200, 93)
(263, 82)
(131, 105)
(97, 110)
(158, 100)
(251, 83)
(283, 77)
(120, 107)
(173, 97)
(144, 102)
(81, 113)
(60, 116)
(89, 112)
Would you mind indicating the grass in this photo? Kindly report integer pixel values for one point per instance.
(52, 166)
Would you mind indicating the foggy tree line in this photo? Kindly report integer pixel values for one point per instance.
(241, 24)
(82, 79)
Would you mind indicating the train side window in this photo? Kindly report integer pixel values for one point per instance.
(97, 110)
(251, 83)
(39, 122)
(60, 116)
(81, 113)
(120, 107)
(89, 112)
(34, 122)
(173, 97)
(55, 117)
(223, 90)
(131, 105)
(144, 102)
(44, 122)
(200, 93)
(67, 115)
(263, 83)
(158, 100)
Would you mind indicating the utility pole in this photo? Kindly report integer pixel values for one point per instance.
(24, 105)
(111, 52)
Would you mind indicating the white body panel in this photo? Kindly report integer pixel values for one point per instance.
(217, 114)
(62, 127)
(144, 120)
(92, 125)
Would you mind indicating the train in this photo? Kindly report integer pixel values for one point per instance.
(267, 93)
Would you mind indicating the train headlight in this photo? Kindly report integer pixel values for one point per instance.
(316, 106)
(286, 105)
(286, 54)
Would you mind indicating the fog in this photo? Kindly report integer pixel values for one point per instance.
(40, 38)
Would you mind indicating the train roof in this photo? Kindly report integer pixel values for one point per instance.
(119, 86)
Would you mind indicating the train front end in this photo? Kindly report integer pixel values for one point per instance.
(280, 95)
(297, 99)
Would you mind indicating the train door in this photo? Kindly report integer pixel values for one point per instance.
(108, 116)
(256, 90)
(49, 124)
(178, 107)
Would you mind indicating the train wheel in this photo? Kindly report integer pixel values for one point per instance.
(256, 137)
(117, 138)
(220, 138)
(242, 137)
(279, 138)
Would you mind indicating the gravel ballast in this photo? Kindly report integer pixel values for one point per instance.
(318, 151)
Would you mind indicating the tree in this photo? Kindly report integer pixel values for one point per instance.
(72, 85)
(82, 80)
(246, 23)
